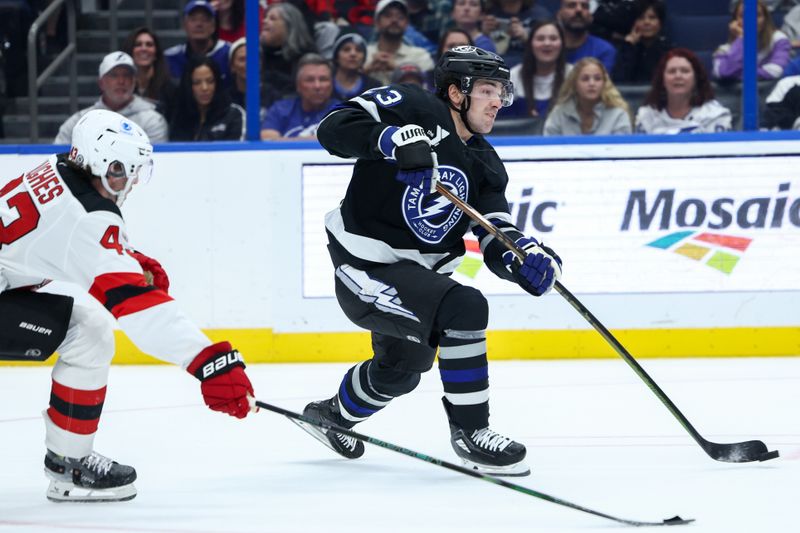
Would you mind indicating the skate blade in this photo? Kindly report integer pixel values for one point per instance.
(315, 432)
(64, 491)
(516, 470)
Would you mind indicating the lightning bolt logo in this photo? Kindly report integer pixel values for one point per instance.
(373, 291)
(436, 207)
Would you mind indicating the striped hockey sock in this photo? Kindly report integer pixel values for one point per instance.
(465, 376)
(358, 399)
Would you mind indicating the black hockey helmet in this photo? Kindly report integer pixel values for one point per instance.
(462, 65)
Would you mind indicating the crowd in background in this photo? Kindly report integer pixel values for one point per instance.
(568, 64)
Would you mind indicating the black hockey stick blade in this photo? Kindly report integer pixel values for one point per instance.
(740, 452)
(300, 420)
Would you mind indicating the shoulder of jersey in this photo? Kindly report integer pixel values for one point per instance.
(88, 197)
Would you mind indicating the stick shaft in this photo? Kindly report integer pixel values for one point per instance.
(457, 468)
(716, 451)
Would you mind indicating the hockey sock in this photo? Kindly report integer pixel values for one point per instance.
(463, 366)
(72, 419)
(358, 399)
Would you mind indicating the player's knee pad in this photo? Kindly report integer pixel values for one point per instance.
(90, 340)
(32, 324)
(462, 309)
(398, 363)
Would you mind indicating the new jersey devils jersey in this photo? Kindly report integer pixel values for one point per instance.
(381, 220)
(55, 226)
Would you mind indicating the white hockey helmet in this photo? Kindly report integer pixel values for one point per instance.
(107, 144)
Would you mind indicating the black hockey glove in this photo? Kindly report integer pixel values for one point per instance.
(540, 270)
(411, 148)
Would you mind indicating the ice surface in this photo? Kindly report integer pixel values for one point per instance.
(596, 436)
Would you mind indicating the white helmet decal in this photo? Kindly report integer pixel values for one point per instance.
(102, 138)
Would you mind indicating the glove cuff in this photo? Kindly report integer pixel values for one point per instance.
(385, 142)
(217, 359)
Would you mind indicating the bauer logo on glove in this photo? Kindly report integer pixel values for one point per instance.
(222, 362)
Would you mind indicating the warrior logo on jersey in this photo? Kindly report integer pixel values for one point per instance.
(431, 216)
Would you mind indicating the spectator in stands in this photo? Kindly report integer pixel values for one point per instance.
(538, 80)
(782, 111)
(576, 19)
(640, 52)
(466, 15)
(791, 25)
(391, 21)
(152, 76)
(298, 118)
(117, 75)
(200, 25)
(612, 20)
(203, 110)
(318, 15)
(230, 18)
(773, 5)
(428, 17)
(349, 56)
(681, 99)
(589, 104)
(284, 38)
(452, 38)
(774, 47)
(238, 62)
(508, 23)
(409, 73)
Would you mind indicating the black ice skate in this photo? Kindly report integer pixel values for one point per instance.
(486, 451)
(93, 478)
(328, 411)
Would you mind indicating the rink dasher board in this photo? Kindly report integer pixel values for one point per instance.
(240, 233)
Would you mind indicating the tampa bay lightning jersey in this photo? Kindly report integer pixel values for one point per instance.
(382, 220)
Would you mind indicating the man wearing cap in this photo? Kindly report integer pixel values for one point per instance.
(117, 75)
(391, 21)
(408, 73)
(199, 23)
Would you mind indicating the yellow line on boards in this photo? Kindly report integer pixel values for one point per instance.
(265, 346)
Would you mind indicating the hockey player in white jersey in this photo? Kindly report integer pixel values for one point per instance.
(394, 243)
(61, 221)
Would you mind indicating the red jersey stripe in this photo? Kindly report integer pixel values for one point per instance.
(140, 303)
(112, 280)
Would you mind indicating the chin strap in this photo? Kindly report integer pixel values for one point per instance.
(462, 112)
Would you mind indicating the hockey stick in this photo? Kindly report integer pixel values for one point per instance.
(296, 417)
(739, 452)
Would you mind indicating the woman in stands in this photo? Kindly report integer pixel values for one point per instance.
(774, 47)
(466, 15)
(681, 99)
(538, 79)
(639, 54)
(284, 37)
(349, 56)
(230, 19)
(589, 104)
(152, 75)
(452, 38)
(203, 110)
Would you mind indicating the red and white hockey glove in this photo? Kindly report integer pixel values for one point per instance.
(224, 384)
(154, 273)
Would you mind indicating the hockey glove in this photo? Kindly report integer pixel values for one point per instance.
(154, 273)
(224, 384)
(411, 148)
(540, 270)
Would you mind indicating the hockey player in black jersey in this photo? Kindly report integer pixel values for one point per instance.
(394, 243)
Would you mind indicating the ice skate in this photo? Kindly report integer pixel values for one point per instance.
(328, 411)
(93, 478)
(486, 451)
